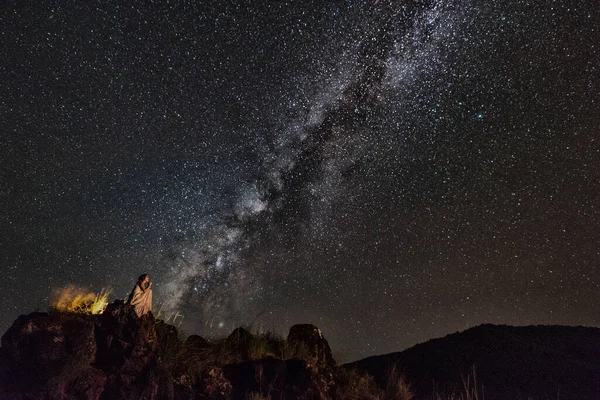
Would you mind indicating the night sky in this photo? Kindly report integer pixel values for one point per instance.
(388, 171)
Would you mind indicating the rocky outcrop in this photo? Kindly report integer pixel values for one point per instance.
(240, 335)
(310, 338)
(238, 342)
(128, 351)
(117, 355)
(196, 342)
(126, 342)
(74, 356)
(39, 344)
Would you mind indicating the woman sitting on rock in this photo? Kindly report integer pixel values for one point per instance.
(141, 296)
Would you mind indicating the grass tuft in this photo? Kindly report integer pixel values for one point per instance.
(396, 387)
(71, 299)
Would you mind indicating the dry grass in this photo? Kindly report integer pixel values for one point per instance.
(193, 361)
(470, 389)
(470, 385)
(71, 299)
(260, 347)
(185, 359)
(225, 351)
(396, 387)
(100, 301)
(299, 351)
(352, 384)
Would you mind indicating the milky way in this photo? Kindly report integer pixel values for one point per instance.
(389, 171)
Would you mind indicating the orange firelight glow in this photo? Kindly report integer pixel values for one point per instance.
(76, 300)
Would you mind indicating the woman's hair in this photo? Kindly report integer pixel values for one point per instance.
(141, 279)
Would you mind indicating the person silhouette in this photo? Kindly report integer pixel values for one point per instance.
(141, 295)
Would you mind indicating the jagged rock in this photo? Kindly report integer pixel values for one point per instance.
(183, 386)
(126, 342)
(239, 342)
(195, 342)
(78, 382)
(128, 351)
(311, 338)
(39, 344)
(118, 386)
(281, 379)
(214, 385)
(240, 335)
(164, 331)
(168, 339)
(158, 387)
(210, 385)
(189, 364)
(117, 355)
(153, 384)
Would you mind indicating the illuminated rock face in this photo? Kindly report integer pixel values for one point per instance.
(311, 339)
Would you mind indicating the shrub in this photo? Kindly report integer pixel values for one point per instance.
(351, 384)
(396, 386)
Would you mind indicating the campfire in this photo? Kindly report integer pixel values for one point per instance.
(77, 300)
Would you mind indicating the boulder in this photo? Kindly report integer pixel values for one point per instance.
(190, 362)
(308, 338)
(126, 342)
(183, 386)
(239, 343)
(155, 383)
(214, 385)
(77, 381)
(196, 342)
(240, 335)
(38, 345)
(119, 386)
(165, 332)
(168, 340)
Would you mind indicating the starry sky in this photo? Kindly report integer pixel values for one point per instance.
(390, 171)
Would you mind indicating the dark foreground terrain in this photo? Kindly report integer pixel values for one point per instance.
(116, 355)
(537, 362)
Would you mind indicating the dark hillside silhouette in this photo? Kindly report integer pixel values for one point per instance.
(539, 362)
